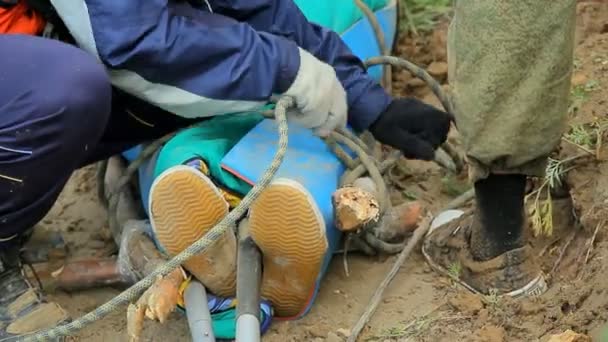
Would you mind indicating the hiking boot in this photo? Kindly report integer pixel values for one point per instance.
(22, 308)
(184, 205)
(288, 227)
(447, 249)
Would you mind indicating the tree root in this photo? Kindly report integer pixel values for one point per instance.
(157, 303)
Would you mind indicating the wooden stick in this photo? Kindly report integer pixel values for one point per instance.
(601, 224)
(79, 275)
(355, 209)
(142, 258)
(377, 297)
(563, 252)
(418, 235)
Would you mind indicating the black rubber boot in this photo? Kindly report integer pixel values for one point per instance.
(500, 214)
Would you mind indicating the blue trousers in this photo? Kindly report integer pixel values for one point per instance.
(58, 112)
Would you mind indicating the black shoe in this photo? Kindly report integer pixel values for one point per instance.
(447, 249)
(23, 310)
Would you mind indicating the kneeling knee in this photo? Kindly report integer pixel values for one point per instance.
(82, 99)
(87, 90)
(76, 103)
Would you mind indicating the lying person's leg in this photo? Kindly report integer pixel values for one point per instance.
(292, 220)
(294, 236)
(191, 194)
(55, 103)
(510, 89)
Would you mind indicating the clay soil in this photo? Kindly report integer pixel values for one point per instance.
(420, 305)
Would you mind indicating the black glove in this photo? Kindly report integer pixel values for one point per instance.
(412, 126)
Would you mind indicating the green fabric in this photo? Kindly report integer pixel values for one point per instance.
(209, 140)
(509, 68)
(224, 324)
(337, 15)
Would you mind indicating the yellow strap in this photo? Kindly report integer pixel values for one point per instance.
(230, 197)
(182, 288)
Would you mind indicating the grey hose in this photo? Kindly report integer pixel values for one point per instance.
(197, 312)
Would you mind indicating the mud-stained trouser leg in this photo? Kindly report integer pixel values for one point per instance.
(509, 68)
(54, 106)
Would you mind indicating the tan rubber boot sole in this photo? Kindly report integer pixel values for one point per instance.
(184, 206)
(288, 228)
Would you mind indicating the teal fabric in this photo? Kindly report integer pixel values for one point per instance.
(337, 15)
(210, 141)
(224, 323)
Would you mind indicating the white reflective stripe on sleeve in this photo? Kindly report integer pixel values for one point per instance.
(176, 100)
(75, 15)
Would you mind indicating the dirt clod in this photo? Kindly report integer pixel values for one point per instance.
(466, 303)
(490, 333)
(579, 79)
(530, 308)
(438, 69)
(569, 336)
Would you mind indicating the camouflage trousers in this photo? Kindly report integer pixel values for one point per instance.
(510, 63)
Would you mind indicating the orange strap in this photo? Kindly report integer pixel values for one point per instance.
(20, 19)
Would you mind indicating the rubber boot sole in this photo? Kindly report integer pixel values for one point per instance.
(184, 206)
(289, 229)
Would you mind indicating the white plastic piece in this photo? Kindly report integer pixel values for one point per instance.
(445, 217)
(247, 329)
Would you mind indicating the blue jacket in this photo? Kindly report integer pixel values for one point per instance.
(223, 56)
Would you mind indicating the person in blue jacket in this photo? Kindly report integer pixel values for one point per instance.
(142, 69)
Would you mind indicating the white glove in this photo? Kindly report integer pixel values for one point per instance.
(319, 96)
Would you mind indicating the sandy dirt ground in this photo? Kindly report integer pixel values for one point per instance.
(419, 305)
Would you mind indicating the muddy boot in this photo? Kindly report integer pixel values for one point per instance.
(288, 227)
(184, 205)
(447, 249)
(22, 307)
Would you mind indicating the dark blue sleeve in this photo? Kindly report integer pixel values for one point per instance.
(366, 98)
(183, 59)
